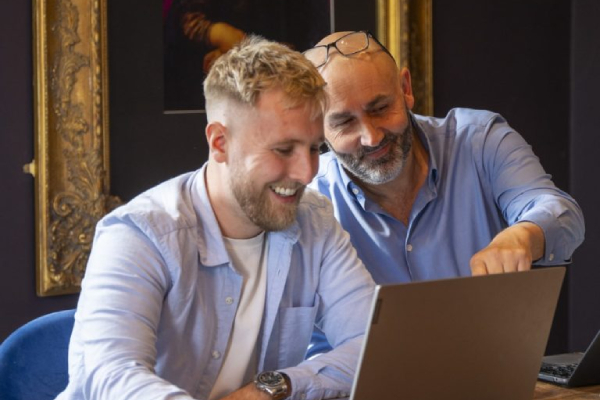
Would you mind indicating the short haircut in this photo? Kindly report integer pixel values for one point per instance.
(256, 65)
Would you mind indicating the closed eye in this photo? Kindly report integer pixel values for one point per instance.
(284, 151)
(340, 119)
(379, 109)
(340, 123)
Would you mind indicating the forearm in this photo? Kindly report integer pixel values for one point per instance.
(130, 382)
(327, 376)
(529, 235)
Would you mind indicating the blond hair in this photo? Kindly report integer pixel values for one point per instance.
(256, 65)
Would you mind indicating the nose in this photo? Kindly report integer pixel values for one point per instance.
(305, 165)
(370, 135)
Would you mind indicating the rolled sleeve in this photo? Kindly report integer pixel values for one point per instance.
(562, 222)
(525, 192)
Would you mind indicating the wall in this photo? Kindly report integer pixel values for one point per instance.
(536, 62)
(495, 55)
(512, 56)
(584, 311)
(18, 301)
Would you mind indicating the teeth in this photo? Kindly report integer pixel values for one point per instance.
(284, 192)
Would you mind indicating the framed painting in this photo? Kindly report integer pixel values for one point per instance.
(71, 138)
(197, 32)
(79, 177)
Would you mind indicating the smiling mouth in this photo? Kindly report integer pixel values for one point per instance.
(381, 148)
(284, 192)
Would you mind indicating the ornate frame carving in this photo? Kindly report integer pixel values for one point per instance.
(71, 165)
(405, 28)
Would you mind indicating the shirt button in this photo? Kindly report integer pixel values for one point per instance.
(216, 354)
(229, 300)
(551, 257)
(303, 396)
(409, 247)
(355, 191)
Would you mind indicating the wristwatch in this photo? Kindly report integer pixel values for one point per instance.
(272, 383)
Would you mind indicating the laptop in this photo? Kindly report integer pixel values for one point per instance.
(458, 339)
(573, 369)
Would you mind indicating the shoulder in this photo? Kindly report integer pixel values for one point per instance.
(159, 210)
(315, 212)
(459, 121)
(464, 128)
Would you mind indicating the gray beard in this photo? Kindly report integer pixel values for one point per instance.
(385, 169)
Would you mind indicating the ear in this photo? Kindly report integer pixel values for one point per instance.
(407, 91)
(217, 136)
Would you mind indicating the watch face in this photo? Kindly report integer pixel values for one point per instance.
(270, 378)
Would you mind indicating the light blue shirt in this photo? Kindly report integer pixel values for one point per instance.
(160, 295)
(482, 177)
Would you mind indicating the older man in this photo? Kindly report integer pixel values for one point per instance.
(204, 281)
(428, 198)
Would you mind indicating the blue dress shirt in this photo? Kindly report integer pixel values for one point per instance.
(160, 295)
(482, 177)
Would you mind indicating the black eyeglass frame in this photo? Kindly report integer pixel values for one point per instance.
(334, 44)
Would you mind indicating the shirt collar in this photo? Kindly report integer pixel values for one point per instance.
(211, 248)
(433, 175)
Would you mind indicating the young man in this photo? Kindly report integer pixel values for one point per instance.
(204, 281)
(427, 198)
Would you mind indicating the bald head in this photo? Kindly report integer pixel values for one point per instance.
(332, 37)
(353, 62)
(357, 45)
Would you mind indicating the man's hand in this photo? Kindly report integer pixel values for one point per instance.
(248, 392)
(513, 249)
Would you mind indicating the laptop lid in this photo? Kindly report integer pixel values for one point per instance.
(464, 338)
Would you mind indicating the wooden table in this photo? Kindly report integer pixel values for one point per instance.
(547, 391)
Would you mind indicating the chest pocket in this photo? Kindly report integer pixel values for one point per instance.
(296, 325)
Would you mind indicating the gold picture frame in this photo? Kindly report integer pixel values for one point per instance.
(405, 28)
(71, 162)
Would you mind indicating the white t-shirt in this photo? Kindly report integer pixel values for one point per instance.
(240, 364)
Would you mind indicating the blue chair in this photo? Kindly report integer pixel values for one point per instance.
(34, 358)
